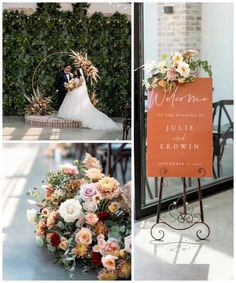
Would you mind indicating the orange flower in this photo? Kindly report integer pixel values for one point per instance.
(63, 244)
(45, 212)
(108, 187)
(52, 218)
(162, 83)
(41, 228)
(81, 250)
(100, 228)
(114, 206)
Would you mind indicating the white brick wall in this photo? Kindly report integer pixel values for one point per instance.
(180, 30)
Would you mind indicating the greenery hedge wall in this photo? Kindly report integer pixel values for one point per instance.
(28, 39)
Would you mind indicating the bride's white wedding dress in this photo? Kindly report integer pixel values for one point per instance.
(78, 107)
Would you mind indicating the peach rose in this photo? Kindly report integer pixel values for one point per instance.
(91, 219)
(108, 262)
(114, 206)
(94, 174)
(91, 162)
(84, 236)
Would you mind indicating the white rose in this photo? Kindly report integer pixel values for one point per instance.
(31, 215)
(89, 205)
(183, 69)
(70, 210)
(162, 66)
(149, 65)
(128, 244)
(177, 58)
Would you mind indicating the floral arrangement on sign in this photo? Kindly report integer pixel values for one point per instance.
(181, 68)
(72, 84)
(84, 220)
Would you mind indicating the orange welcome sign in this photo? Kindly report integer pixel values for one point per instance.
(179, 131)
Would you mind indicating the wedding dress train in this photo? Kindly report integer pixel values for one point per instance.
(78, 107)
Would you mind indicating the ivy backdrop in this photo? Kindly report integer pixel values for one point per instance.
(28, 39)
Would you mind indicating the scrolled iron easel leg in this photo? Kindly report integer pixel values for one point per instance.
(200, 232)
(161, 232)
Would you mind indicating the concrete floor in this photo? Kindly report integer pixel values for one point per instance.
(25, 167)
(180, 256)
(14, 128)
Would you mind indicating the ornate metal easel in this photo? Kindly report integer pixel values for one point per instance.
(184, 215)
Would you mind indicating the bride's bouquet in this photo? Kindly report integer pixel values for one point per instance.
(83, 218)
(72, 84)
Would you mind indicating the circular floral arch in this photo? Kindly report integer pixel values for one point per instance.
(80, 60)
(40, 105)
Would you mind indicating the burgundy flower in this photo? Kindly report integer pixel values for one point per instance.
(96, 259)
(103, 215)
(55, 240)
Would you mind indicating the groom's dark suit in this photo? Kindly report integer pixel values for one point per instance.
(61, 79)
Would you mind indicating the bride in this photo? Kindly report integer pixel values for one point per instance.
(78, 107)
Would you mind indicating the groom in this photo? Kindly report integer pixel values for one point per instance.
(63, 76)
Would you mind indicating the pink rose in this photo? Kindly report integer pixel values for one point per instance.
(70, 169)
(84, 236)
(87, 191)
(100, 245)
(171, 74)
(112, 247)
(91, 219)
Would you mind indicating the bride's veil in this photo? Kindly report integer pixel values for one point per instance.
(85, 85)
(82, 75)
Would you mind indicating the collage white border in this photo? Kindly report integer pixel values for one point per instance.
(94, 141)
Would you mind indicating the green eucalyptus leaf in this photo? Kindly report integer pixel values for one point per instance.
(51, 249)
(61, 225)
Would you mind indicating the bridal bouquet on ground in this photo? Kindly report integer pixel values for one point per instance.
(83, 218)
(72, 84)
(182, 67)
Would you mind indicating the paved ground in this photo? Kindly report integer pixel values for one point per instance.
(14, 128)
(180, 256)
(25, 167)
